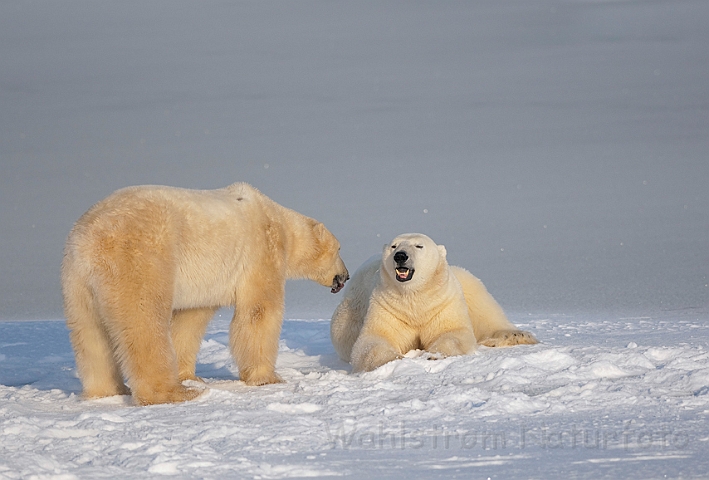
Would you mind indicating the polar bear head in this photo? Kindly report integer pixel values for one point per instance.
(411, 260)
(315, 255)
(330, 270)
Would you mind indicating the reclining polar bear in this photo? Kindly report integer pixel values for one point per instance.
(410, 298)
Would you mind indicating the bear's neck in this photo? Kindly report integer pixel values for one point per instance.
(300, 233)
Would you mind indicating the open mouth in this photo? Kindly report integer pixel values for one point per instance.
(338, 283)
(404, 274)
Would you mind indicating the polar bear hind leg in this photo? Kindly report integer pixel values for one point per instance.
(95, 362)
(137, 312)
(490, 324)
(145, 350)
(188, 328)
(345, 327)
(509, 338)
(348, 318)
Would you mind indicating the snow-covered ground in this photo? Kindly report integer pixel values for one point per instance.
(558, 148)
(600, 397)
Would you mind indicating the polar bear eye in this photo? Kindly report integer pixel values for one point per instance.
(419, 246)
(393, 246)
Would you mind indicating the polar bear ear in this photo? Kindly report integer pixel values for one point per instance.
(442, 251)
(319, 229)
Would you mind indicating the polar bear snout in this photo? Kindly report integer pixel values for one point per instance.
(404, 272)
(338, 283)
(400, 257)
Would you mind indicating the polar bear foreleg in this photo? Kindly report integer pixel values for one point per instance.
(372, 351)
(383, 338)
(454, 342)
(253, 336)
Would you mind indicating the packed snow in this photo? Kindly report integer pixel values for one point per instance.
(599, 397)
(557, 148)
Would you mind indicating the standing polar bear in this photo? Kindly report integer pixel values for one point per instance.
(410, 298)
(145, 269)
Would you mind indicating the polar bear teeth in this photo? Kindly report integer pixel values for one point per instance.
(404, 274)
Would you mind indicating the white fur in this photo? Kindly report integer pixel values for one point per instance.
(442, 309)
(145, 268)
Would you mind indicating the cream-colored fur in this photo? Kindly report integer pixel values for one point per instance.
(145, 269)
(441, 309)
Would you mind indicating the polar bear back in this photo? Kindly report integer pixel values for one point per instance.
(202, 229)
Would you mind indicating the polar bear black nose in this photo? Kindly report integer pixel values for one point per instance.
(400, 257)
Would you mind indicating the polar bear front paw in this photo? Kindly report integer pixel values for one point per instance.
(453, 343)
(255, 378)
(369, 355)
